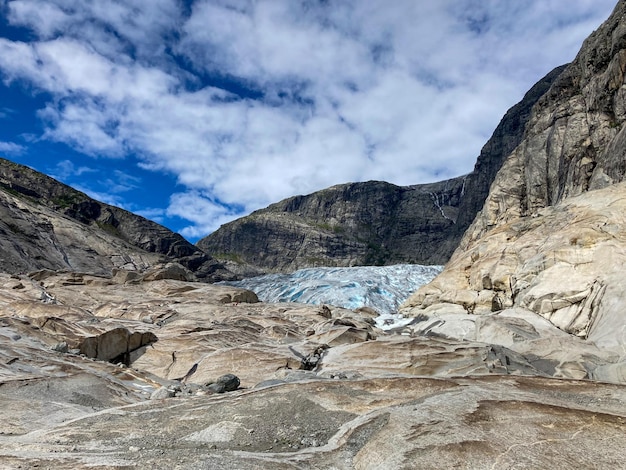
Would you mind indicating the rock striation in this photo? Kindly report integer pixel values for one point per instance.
(45, 224)
(371, 223)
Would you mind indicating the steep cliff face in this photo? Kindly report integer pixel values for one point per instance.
(507, 136)
(372, 223)
(45, 224)
(576, 140)
(550, 237)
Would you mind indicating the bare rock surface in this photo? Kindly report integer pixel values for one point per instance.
(515, 357)
(224, 380)
(564, 265)
(493, 422)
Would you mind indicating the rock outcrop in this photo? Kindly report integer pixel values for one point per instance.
(550, 237)
(371, 223)
(45, 224)
(507, 136)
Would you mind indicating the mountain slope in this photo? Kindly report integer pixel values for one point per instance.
(45, 224)
(98, 372)
(371, 223)
(550, 238)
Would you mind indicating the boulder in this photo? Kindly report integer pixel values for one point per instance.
(225, 383)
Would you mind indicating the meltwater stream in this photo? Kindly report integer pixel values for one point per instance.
(383, 288)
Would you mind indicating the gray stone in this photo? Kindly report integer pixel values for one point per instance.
(61, 347)
(225, 383)
(162, 393)
(52, 223)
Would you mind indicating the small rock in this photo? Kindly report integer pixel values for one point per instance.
(325, 311)
(309, 442)
(61, 347)
(162, 393)
(226, 383)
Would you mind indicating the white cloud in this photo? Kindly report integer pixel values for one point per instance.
(11, 148)
(44, 17)
(201, 209)
(403, 91)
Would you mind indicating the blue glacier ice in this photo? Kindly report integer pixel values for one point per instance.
(382, 288)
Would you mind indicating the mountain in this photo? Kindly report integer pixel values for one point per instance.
(45, 224)
(371, 223)
(512, 357)
(550, 240)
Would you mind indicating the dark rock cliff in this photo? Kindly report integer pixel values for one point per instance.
(507, 136)
(575, 140)
(372, 223)
(44, 224)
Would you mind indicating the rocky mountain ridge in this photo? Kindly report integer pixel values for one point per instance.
(45, 224)
(371, 223)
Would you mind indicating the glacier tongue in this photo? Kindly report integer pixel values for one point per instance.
(382, 288)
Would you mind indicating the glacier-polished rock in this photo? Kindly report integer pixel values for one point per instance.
(319, 387)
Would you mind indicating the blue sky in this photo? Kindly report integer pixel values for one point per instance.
(194, 113)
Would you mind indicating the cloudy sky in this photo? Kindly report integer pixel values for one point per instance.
(193, 113)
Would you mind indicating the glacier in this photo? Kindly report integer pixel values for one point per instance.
(383, 288)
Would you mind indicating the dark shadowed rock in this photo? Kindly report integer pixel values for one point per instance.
(372, 223)
(115, 345)
(226, 383)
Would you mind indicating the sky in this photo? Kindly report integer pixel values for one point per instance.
(196, 112)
